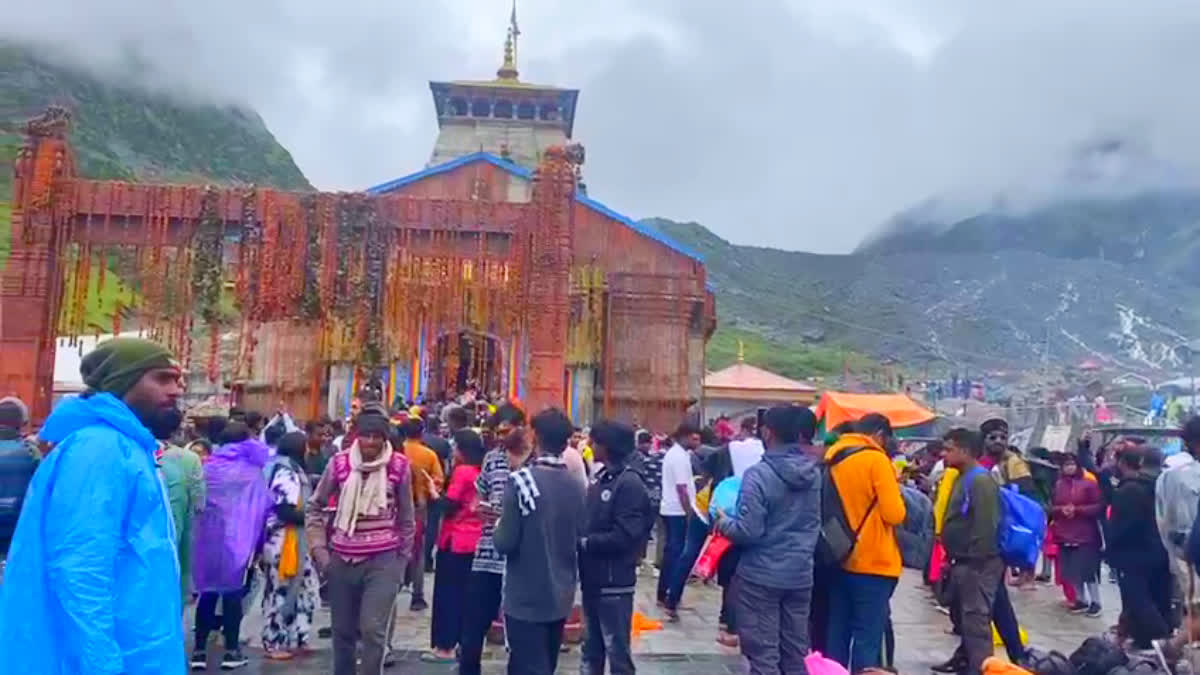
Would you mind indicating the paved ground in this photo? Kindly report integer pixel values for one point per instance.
(689, 647)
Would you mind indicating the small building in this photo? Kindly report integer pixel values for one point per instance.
(741, 389)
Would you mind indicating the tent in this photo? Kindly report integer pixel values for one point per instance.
(835, 407)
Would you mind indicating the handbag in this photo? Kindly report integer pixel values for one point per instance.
(714, 547)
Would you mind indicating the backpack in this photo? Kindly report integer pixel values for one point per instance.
(837, 538)
(1097, 656)
(1048, 663)
(17, 466)
(1022, 526)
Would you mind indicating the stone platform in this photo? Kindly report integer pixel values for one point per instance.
(689, 647)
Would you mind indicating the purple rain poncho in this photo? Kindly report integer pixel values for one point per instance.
(227, 535)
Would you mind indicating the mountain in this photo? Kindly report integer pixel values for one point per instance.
(946, 309)
(1112, 200)
(124, 132)
(1092, 259)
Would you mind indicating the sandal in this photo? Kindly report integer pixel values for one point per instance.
(279, 655)
(432, 657)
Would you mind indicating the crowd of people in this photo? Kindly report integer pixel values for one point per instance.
(121, 513)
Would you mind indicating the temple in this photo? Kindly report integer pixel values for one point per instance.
(491, 268)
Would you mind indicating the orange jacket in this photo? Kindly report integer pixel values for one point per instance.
(423, 461)
(862, 478)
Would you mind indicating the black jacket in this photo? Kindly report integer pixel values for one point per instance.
(618, 519)
(1132, 536)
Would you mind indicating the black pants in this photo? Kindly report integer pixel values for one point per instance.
(482, 608)
(1005, 618)
(1145, 604)
(431, 533)
(532, 647)
(674, 530)
(818, 616)
(229, 623)
(450, 578)
(609, 622)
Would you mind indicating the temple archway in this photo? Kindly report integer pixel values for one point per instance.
(465, 359)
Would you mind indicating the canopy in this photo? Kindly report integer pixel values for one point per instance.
(836, 407)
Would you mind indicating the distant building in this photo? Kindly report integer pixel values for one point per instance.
(741, 389)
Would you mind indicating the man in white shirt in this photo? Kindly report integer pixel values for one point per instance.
(677, 506)
(746, 450)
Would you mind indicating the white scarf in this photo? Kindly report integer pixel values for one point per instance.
(365, 491)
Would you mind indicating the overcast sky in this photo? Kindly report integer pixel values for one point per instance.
(801, 124)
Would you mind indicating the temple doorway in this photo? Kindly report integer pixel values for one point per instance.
(467, 360)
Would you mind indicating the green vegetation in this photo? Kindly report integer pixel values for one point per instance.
(124, 133)
(797, 361)
(102, 300)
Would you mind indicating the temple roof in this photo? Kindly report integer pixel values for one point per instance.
(526, 174)
(746, 377)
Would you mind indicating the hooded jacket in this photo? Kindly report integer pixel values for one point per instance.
(227, 534)
(95, 542)
(862, 479)
(1132, 540)
(778, 519)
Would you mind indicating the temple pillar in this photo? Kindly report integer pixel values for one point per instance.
(31, 280)
(548, 233)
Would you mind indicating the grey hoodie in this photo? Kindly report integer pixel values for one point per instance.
(778, 519)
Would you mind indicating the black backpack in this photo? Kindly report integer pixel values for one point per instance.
(1048, 663)
(1097, 656)
(837, 538)
(17, 466)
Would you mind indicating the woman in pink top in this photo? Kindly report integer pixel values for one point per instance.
(461, 529)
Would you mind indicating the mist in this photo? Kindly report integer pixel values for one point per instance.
(797, 124)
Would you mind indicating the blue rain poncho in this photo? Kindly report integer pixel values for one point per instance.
(92, 582)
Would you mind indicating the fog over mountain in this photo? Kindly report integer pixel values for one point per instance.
(798, 124)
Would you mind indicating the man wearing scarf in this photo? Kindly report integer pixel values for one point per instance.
(368, 488)
(96, 539)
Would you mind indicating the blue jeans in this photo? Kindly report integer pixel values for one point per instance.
(674, 528)
(697, 532)
(858, 614)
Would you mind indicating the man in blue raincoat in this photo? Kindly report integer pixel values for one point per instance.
(92, 583)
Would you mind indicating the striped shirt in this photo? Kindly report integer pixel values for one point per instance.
(490, 485)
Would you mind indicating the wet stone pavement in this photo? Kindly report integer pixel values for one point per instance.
(689, 647)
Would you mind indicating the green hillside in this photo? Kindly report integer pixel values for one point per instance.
(119, 132)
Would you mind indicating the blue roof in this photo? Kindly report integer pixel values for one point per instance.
(522, 172)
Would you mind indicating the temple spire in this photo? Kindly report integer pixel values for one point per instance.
(508, 69)
(741, 352)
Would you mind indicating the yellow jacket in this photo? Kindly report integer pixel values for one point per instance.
(862, 478)
(944, 488)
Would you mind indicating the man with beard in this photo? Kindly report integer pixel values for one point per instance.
(92, 584)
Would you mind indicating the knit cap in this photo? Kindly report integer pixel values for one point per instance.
(114, 366)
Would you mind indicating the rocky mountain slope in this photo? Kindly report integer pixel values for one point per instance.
(948, 310)
(122, 132)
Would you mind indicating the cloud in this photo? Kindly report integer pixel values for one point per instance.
(801, 124)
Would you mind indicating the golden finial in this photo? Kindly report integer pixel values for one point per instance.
(508, 69)
(741, 352)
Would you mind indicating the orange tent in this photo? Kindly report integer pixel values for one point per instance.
(836, 407)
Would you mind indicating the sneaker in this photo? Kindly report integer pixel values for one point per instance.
(1078, 608)
(199, 660)
(418, 605)
(233, 660)
(1094, 610)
